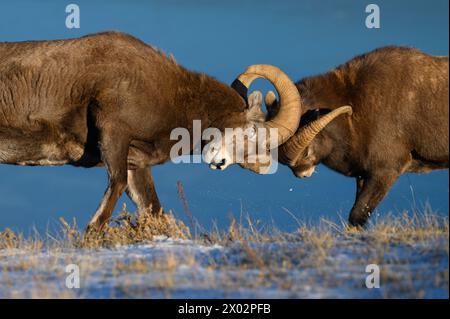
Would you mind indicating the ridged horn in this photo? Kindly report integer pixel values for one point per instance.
(294, 148)
(288, 116)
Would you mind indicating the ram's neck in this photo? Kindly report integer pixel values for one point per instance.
(329, 90)
(206, 99)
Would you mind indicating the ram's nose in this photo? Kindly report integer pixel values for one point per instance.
(305, 173)
(220, 165)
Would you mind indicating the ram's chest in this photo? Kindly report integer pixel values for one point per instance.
(29, 153)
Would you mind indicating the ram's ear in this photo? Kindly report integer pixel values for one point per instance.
(272, 105)
(255, 100)
(254, 106)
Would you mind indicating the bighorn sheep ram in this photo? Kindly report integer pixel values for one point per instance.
(109, 99)
(374, 118)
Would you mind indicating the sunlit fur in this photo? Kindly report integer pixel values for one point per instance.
(104, 99)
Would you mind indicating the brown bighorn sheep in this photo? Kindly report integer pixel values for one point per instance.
(109, 99)
(374, 118)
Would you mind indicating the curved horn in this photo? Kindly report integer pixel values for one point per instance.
(294, 148)
(271, 105)
(288, 116)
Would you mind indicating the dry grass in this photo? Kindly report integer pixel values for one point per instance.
(409, 228)
(134, 228)
(10, 240)
(314, 249)
(127, 229)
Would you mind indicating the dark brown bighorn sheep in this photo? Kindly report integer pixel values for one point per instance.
(109, 99)
(374, 118)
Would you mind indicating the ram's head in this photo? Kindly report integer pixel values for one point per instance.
(253, 141)
(302, 152)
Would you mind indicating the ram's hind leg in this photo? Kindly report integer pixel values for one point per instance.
(141, 190)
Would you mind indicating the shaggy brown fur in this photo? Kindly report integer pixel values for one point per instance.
(104, 99)
(400, 121)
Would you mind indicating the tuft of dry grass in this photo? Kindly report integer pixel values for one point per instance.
(11, 240)
(409, 229)
(128, 228)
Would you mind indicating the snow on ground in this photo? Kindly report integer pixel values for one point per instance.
(171, 268)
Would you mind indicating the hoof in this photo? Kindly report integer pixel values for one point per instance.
(91, 232)
(357, 222)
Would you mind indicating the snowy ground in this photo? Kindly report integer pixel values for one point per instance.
(168, 268)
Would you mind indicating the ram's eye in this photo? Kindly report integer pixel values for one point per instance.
(252, 133)
(307, 152)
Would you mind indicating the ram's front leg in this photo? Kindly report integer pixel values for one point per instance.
(114, 149)
(370, 191)
(141, 190)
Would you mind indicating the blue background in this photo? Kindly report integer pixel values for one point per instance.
(221, 38)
